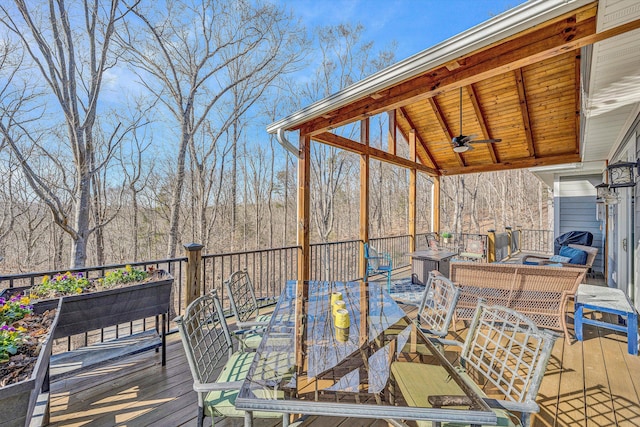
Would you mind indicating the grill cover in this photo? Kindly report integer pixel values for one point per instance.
(576, 237)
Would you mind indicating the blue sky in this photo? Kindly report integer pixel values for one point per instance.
(414, 24)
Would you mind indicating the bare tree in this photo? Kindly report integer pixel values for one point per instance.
(70, 48)
(228, 47)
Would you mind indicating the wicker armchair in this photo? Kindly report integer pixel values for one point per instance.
(218, 372)
(591, 251)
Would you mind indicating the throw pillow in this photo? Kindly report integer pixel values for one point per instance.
(577, 256)
(560, 258)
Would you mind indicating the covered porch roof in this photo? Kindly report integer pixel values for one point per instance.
(521, 78)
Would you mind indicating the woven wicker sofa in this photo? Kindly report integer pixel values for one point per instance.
(540, 292)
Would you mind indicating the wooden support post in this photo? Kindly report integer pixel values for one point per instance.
(364, 198)
(304, 248)
(413, 178)
(491, 245)
(193, 281)
(304, 202)
(510, 240)
(435, 205)
(392, 140)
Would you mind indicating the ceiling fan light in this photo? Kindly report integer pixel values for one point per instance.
(461, 148)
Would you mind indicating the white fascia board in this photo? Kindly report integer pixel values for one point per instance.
(513, 21)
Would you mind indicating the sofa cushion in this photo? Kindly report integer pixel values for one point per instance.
(577, 256)
(560, 258)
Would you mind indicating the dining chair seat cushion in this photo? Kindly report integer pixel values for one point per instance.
(222, 403)
(251, 340)
(418, 381)
(263, 318)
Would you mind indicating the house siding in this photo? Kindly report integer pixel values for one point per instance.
(576, 204)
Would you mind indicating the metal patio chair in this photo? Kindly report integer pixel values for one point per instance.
(505, 351)
(218, 372)
(244, 304)
(438, 305)
(433, 241)
(378, 263)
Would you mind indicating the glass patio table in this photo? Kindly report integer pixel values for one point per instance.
(311, 367)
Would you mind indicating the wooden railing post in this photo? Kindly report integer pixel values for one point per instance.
(509, 239)
(194, 271)
(491, 243)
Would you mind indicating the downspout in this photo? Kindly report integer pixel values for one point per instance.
(282, 140)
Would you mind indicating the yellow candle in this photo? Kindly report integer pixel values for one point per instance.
(342, 319)
(335, 296)
(338, 305)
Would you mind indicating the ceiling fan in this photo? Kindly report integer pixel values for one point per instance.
(461, 142)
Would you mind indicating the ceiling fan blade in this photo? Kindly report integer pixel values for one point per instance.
(484, 141)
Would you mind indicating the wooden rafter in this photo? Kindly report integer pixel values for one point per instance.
(543, 42)
(429, 157)
(578, 102)
(445, 126)
(355, 147)
(524, 111)
(483, 124)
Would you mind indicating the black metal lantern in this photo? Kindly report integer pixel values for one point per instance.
(602, 191)
(621, 174)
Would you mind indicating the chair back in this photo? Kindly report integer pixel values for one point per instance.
(437, 305)
(241, 296)
(205, 337)
(508, 350)
(373, 258)
(433, 241)
(475, 248)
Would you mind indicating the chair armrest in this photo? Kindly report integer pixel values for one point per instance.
(204, 387)
(440, 401)
(252, 324)
(444, 342)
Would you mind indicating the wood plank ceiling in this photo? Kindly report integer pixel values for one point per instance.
(524, 90)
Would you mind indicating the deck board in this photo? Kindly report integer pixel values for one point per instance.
(590, 383)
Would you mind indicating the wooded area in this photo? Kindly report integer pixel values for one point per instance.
(131, 128)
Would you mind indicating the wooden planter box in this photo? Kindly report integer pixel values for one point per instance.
(96, 310)
(17, 401)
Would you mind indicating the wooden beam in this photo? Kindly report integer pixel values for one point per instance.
(364, 198)
(543, 42)
(355, 147)
(391, 139)
(578, 108)
(304, 248)
(524, 111)
(445, 126)
(429, 158)
(435, 205)
(527, 162)
(483, 124)
(413, 178)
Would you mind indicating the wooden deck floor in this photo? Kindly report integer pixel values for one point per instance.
(590, 383)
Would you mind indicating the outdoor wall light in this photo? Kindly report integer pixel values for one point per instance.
(621, 174)
(605, 195)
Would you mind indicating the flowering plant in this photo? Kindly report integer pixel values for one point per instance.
(14, 309)
(127, 274)
(10, 340)
(60, 284)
